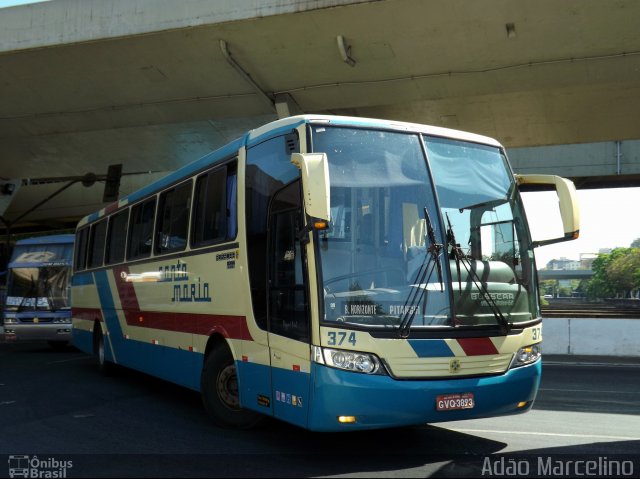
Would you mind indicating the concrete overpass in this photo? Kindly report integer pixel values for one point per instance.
(545, 274)
(148, 83)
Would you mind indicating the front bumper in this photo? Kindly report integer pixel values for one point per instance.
(38, 332)
(381, 401)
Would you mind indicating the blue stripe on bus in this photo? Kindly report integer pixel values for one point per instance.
(431, 348)
(93, 216)
(108, 312)
(254, 380)
(82, 279)
(42, 315)
(158, 360)
(291, 395)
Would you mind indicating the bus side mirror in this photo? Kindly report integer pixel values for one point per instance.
(569, 210)
(314, 170)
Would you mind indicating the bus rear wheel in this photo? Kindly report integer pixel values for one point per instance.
(220, 395)
(104, 366)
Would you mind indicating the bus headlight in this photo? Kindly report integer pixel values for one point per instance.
(355, 361)
(62, 320)
(527, 355)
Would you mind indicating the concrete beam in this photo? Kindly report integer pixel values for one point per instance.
(74, 21)
(600, 164)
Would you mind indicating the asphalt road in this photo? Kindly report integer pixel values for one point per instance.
(56, 406)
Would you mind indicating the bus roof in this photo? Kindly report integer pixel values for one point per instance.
(51, 239)
(275, 128)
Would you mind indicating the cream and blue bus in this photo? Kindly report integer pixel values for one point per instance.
(336, 273)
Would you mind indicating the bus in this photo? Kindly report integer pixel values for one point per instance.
(37, 305)
(336, 273)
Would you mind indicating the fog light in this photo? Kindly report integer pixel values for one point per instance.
(347, 419)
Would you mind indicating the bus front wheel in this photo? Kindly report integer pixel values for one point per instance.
(220, 395)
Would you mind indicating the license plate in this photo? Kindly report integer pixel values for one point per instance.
(453, 402)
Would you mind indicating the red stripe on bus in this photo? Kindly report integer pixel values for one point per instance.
(477, 346)
(111, 207)
(232, 327)
(87, 313)
(126, 291)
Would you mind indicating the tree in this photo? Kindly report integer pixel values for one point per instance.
(636, 243)
(615, 274)
(624, 272)
(600, 286)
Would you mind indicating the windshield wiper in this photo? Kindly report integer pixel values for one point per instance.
(485, 204)
(461, 258)
(415, 296)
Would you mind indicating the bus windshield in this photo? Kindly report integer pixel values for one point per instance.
(489, 248)
(39, 275)
(379, 265)
(42, 288)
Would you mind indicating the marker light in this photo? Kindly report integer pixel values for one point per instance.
(522, 404)
(320, 225)
(527, 355)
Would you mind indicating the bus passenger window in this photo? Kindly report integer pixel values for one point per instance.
(96, 244)
(116, 237)
(173, 219)
(141, 229)
(213, 205)
(82, 238)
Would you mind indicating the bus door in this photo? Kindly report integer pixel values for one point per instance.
(289, 318)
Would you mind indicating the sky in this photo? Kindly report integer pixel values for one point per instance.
(609, 218)
(11, 3)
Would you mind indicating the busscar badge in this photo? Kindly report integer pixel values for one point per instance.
(454, 366)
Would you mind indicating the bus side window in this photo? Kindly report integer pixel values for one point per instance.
(82, 238)
(116, 237)
(173, 219)
(96, 244)
(141, 229)
(209, 209)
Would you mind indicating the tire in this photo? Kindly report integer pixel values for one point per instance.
(219, 390)
(104, 366)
